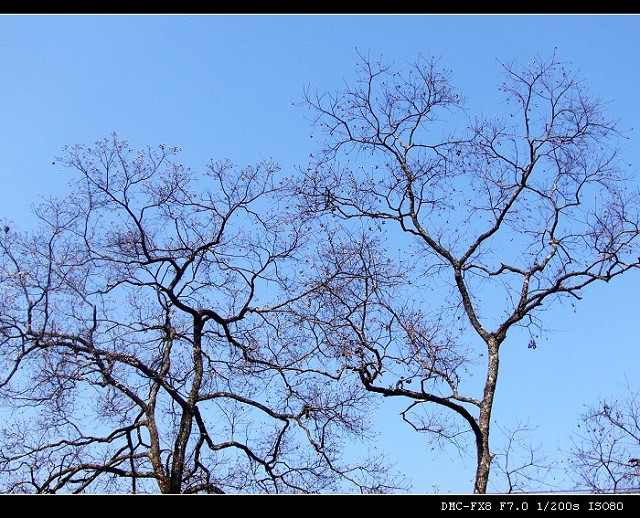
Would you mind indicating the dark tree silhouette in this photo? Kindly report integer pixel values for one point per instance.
(468, 228)
(606, 453)
(146, 343)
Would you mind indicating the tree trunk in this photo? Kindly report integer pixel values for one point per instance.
(186, 423)
(484, 422)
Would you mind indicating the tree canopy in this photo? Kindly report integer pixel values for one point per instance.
(232, 330)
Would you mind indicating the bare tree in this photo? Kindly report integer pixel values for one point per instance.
(520, 465)
(146, 343)
(468, 228)
(606, 453)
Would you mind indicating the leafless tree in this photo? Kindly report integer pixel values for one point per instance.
(146, 343)
(520, 466)
(606, 453)
(460, 230)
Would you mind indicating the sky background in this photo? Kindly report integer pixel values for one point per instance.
(226, 86)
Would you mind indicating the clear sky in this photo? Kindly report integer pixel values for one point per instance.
(224, 86)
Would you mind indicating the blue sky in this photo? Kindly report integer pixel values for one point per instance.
(225, 86)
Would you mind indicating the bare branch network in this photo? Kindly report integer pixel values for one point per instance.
(231, 331)
(605, 456)
(146, 342)
(497, 217)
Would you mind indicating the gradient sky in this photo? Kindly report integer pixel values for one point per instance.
(225, 86)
